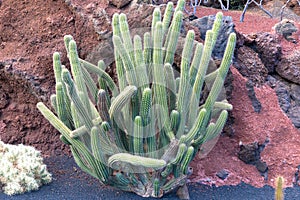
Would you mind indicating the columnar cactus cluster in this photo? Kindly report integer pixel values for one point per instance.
(141, 134)
(22, 169)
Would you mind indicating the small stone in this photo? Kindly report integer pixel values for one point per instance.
(120, 3)
(249, 153)
(183, 192)
(271, 81)
(223, 174)
(261, 166)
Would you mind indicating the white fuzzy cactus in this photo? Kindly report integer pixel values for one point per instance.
(22, 169)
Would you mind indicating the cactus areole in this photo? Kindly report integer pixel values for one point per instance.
(141, 134)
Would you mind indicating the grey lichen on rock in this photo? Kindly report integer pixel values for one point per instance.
(286, 28)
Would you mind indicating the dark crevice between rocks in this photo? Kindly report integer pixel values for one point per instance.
(250, 154)
(251, 94)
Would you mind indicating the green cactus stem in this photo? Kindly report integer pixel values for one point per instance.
(79, 106)
(116, 161)
(96, 149)
(138, 136)
(173, 183)
(146, 103)
(167, 16)
(118, 60)
(222, 72)
(77, 73)
(171, 41)
(119, 102)
(155, 18)
(84, 152)
(122, 179)
(197, 87)
(60, 104)
(184, 86)
(147, 53)
(195, 130)
(171, 86)
(143, 81)
(125, 33)
(167, 170)
(187, 159)
(159, 83)
(182, 149)
(53, 102)
(101, 73)
(175, 118)
(102, 106)
(195, 62)
(156, 186)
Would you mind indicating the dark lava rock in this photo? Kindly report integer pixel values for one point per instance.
(206, 23)
(294, 115)
(289, 67)
(249, 65)
(297, 176)
(251, 94)
(283, 95)
(265, 45)
(269, 50)
(192, 17)
(288, 95)
(4, 99)
(261, 166)
(295, 93)
(223, 174)
(271, 81)
(249, 153)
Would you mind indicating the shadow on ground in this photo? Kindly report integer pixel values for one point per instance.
(73, 184)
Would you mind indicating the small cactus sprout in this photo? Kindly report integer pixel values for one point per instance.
(141, 134)
(279, 183)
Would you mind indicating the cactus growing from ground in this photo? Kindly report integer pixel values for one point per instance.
(279, 184)
(141, 134)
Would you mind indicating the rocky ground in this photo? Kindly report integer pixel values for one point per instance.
(265, 82)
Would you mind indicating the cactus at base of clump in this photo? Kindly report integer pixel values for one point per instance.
(141, 134)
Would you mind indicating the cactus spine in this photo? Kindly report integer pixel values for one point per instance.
(142, 135)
